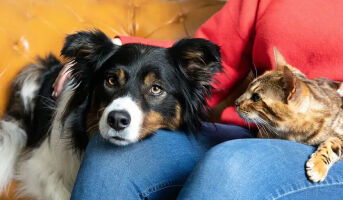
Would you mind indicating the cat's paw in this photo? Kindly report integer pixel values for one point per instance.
(316, 168)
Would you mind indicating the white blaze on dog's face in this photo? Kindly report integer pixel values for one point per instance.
(121, 121)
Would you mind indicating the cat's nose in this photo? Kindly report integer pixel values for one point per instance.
(236, 103)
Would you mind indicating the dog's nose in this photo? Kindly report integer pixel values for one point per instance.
(118, 120)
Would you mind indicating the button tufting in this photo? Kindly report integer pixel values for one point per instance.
(21, 45)
(181, 17)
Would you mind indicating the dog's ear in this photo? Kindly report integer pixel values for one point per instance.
(92, 47)
(87, 51)
(198, 59)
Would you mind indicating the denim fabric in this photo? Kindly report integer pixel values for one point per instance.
(257, 169)
(169, 162)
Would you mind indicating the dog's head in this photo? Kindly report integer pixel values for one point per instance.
(130, 91)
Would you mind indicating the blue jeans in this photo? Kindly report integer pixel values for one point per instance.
(173, 165)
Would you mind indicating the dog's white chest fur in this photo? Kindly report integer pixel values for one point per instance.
(49, 171)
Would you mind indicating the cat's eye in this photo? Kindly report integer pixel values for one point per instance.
(156, 90)
(110, 81)
(256, 97)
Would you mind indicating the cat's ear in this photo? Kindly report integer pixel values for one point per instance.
(281, 63)
(292, 85)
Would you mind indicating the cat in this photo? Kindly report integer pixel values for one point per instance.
(285, 104)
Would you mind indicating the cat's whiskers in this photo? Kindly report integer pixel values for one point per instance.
(259, 129)
(258, 126)
(271, 130)
(269, 127)
(248, 125)
(266, 127)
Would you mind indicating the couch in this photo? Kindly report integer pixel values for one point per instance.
(31, 28)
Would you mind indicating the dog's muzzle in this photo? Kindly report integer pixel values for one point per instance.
(121, 121)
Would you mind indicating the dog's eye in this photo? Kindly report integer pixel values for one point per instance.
(256, 97)
(156, 90)
(111, 81)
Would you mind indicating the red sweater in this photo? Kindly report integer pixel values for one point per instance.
(308, 33)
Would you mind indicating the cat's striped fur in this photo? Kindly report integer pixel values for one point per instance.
(285, 104)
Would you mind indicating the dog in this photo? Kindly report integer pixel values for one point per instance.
(124, 92)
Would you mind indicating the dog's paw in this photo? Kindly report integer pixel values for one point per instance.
(316, 169)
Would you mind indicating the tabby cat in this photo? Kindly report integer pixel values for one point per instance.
(285, 104)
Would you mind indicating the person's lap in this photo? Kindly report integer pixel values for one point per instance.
(258, 169)
(159, 167)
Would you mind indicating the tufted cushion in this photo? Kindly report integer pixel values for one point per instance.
(29, 28)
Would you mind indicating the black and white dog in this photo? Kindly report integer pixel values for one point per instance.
(127, 92)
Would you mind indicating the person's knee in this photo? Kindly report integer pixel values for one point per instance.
(231, 168)
(164, 160)
(249, 161)
(236, 159)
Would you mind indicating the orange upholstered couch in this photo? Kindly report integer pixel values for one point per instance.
(31, 28)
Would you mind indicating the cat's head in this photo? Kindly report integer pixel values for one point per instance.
(275, 96)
